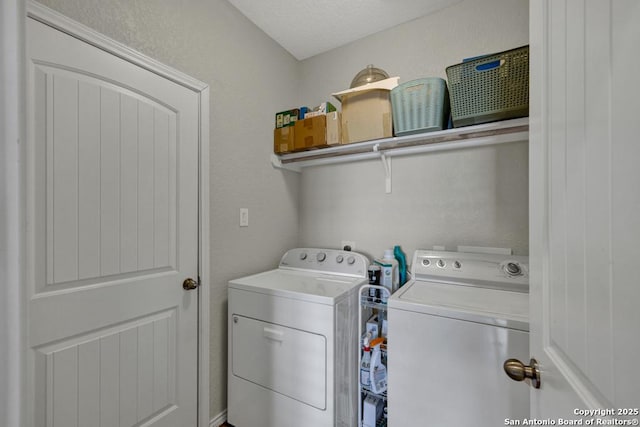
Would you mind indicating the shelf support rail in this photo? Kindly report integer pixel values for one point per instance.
(386, 163)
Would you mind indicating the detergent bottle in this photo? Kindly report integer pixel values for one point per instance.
(389, 275)
(402, 264)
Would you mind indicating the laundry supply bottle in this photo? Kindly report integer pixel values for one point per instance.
(377, 370)
(389, 275)
(374, 279)
(402, 264)
(365, 362)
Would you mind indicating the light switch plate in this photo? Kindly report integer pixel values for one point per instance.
(244, 217)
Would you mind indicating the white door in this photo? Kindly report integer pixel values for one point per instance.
(112, 233)
(585, 208)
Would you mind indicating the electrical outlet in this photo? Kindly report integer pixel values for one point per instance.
(244, 217)
(350, 243)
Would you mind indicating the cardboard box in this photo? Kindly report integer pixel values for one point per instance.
(283, 140)
(334, 128)
(366, 111)
(310, 133)
(318, 131)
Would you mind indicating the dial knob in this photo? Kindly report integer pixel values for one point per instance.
(441, 263)
(303, 256)
(456, 264)
(321, 256)
(513, 269)
(339, 259)
(351, 260)
(426, 262)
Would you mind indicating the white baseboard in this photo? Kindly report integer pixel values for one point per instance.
(219, 419)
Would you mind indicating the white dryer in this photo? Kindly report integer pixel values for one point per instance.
(293, 342)
(450, 330)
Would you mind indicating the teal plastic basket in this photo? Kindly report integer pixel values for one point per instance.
(421, 105)
(489, 88)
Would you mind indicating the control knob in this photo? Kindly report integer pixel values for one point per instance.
(303, 256)
(339, 259)
(512, 269)
(321, 256)
(351, 260)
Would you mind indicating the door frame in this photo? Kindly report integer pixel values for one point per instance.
(62, 23)
(12, 199)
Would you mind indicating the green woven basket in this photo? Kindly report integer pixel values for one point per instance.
(420, 105)
(490, 88)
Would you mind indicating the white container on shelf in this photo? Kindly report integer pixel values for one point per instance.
(389, 276)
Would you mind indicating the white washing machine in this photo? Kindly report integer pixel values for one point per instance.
(450, 330)
(293, 342)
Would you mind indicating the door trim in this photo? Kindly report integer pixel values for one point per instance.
(12, 230)
(75, 29)
(66, 25)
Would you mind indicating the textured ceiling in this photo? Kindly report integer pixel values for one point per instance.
(308, 27)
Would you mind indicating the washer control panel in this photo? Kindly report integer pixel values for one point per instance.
(330, 261)
(482, 269)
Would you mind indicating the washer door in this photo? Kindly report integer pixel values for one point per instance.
(286, 360)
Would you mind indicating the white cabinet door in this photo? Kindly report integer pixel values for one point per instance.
(112, 233)
(585, 206)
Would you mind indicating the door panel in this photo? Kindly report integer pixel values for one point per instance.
(112, 334)
(111, 179)
(122, 375)
(584, 204)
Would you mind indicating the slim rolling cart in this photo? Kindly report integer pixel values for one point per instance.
(373, 302)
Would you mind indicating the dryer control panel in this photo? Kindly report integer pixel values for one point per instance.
(330, 261)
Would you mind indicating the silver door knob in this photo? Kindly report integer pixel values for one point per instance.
(518, 371)
(189, 284)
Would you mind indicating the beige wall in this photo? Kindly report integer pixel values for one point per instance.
(251, 78)
(473, 197)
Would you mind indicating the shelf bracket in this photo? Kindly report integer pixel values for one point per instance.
(386, 163)
(277, 163)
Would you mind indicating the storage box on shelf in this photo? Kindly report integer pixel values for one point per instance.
(317, 131)
(420, 105)
(490, 88)
(310, 132)
(334, 128)
(366, 111)
(323, 130)
(284, 140)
